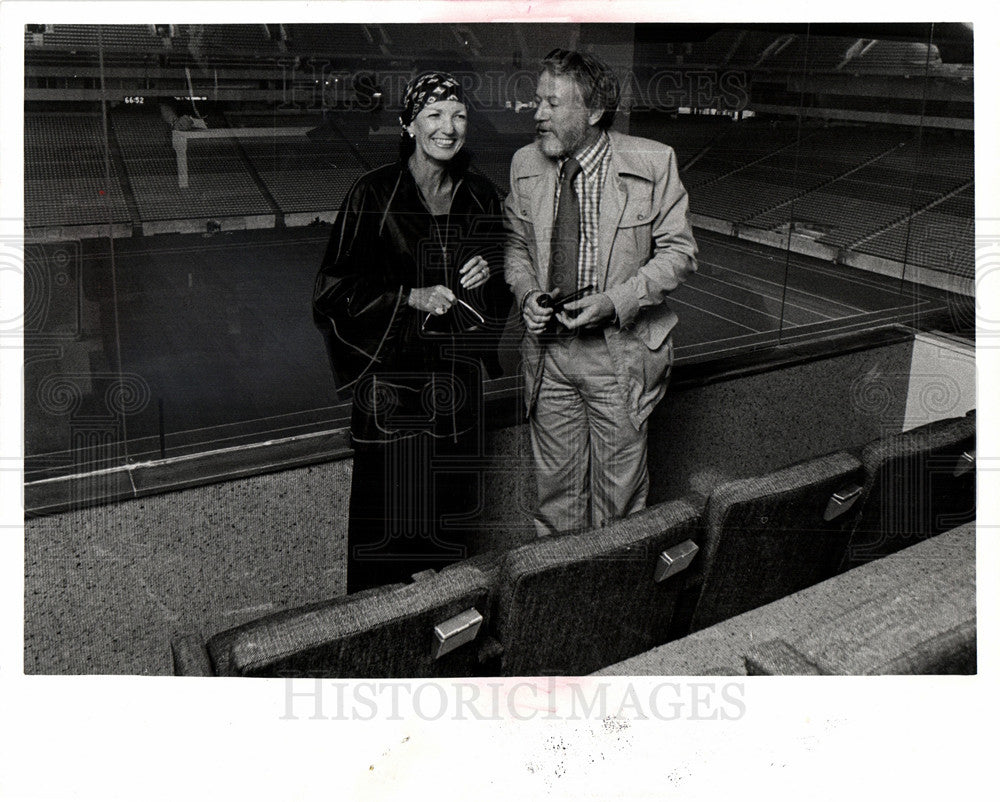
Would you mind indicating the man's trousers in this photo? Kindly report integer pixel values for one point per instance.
(590, 460)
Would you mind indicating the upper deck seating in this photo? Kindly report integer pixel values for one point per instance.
(329, 40)
(220, 183)
(301, 175)
(65, 173)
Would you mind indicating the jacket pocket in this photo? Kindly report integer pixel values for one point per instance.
(654, 326)
(523, 191)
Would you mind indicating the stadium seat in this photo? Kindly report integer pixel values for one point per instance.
(428, 628)
(910, 613)
(768, 536)
(567, 605)
(917, 484)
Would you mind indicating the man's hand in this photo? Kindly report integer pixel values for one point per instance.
(536, 317)
(592, 310)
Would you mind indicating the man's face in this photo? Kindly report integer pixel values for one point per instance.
(563, 124)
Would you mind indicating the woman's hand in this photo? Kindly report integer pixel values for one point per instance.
(436, 300)
(474, 273)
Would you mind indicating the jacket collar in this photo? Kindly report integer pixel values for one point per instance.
(625, 160)
(403, 187)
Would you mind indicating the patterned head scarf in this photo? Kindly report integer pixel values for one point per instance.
(430, 87)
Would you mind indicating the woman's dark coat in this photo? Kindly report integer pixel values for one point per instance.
(383, 245)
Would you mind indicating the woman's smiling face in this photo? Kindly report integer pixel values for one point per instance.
(439, 129)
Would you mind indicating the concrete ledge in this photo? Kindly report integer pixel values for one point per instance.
(873, 264)
(925, 276)
(806, 246)
(138, 480)
(712, 224)
(297, 219)
(853, 115)
(794, 242)
(69, 233)
(199, 225)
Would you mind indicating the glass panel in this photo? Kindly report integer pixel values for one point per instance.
(874, 149)
(703, 89)
(936, 243)
(180, 183)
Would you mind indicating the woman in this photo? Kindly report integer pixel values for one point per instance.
(411, 301)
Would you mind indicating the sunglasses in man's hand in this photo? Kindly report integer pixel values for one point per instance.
(546, 301)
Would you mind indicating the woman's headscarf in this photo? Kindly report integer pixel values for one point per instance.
(427, 88)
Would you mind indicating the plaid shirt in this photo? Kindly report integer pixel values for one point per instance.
(589, 184)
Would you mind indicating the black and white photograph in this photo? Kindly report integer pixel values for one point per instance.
(556, 376)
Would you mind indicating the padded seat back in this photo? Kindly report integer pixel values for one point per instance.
(772, 535)
(569, 604)
(918, 484)
(397, 631)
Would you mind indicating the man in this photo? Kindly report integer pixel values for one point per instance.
(596, 211)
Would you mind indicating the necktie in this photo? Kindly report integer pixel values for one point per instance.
(566, 233)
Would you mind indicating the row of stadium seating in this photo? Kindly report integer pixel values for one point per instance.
(791, 51)
(930, 239)
(301, 174)
(575, 604)
(821, 156)
(850, 220)
(853, 186)
(221, 45)
(136, 38)
(220, 184)
(913, 612)
(729, 48)
(236, 46)
(65, 173)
